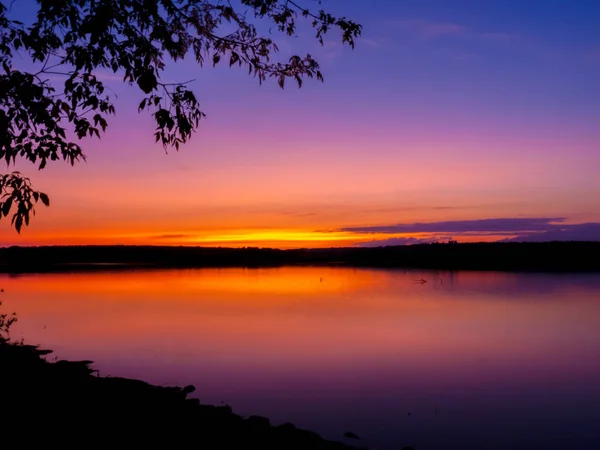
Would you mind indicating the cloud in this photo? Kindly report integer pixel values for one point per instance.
(486, 226)
(576, 232)
(426, 30)
(429, 30)
(171, 236)
(419, 208)
(372, 42)
(331, 50)
(298, 214)
(500, 37)
(400, 241)
(542, 229)
(108, 76)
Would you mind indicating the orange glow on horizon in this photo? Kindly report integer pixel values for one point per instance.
(266, 238)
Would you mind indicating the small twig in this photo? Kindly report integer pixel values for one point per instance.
(176, 84)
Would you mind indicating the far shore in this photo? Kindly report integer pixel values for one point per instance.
(518, 257)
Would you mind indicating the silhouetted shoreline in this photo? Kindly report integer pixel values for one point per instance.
(541, 257)
(67, 403)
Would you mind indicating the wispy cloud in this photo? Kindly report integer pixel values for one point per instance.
(499, 37)
(566, 54)
(170, 236)
(426, 30)
(298, 214)
(372, 42)
(400, 209)
(331, 50)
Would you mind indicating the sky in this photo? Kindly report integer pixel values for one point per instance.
(472, 120)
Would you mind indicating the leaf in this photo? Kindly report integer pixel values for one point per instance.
(6, 206)
(19, 223)
(44, 198)
(147, 81)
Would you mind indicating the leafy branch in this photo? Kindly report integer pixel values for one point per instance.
(16, 190)
(43, 121)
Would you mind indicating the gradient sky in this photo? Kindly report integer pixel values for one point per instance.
(446, 112)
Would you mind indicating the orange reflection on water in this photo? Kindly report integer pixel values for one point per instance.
(295, 316)
(336, 348)
(138, 284)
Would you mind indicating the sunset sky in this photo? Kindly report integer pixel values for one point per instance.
(472, 120)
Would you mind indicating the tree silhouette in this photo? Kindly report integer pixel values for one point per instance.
(41, 121)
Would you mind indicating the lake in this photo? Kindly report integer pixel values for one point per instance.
(467, 360)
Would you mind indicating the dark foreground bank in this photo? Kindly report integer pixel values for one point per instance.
(64, 405)
(545, 256)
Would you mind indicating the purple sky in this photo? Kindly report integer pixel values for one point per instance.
(446, 112)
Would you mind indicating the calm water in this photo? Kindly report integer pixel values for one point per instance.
(479, 360)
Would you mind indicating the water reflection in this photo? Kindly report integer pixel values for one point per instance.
(466, 360)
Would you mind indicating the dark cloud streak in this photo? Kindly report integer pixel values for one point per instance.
(401, 241)
(542, 229)
(576, 232)
(171, 236)
(486, 226)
